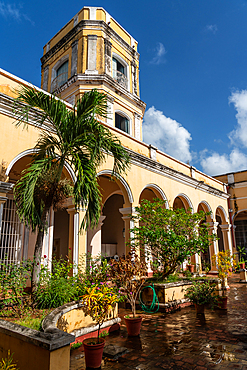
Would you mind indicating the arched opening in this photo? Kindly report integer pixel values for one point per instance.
(205, 255)
(221, 220)
(182, 202)
(17, 241)
(110, 236)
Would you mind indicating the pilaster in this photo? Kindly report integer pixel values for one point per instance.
(91, 54)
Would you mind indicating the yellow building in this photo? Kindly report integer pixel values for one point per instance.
(236, 183)
(93, 51)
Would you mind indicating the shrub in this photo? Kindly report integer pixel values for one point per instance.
(13, 281)
(202, 293)
(57, 287)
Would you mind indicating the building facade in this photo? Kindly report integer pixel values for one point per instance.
(93, 51)
(236, 183)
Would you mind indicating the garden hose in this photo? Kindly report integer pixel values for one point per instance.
(155, 301)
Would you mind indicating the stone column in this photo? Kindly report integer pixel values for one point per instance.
(137, 126)
(74, 58)
(213, 248)
(108, 46)
(91, 54)
(128, 225)
(47, 248)
(226, 237)
(94, 238)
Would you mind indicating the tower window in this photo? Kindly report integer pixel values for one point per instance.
(122, 123)
(119, 72)
(60, 76)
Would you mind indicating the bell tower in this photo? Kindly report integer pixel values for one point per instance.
(94, 51)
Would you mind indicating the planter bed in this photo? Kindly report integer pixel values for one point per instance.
(70, 318)
(170, 295)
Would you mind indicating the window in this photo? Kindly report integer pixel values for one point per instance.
(119, 72)
(62, 74)
(122, 123)
(59, 74)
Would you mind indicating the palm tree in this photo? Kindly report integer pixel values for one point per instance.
(74, 136)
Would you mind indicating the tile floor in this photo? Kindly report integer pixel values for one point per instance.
(181, 340)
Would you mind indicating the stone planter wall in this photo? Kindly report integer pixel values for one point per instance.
(170, 295)
(33, 349)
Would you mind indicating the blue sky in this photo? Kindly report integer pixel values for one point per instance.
(193, 68)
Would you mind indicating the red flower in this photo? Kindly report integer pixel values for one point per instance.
(45, 256)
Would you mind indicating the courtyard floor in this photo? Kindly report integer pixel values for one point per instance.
(181, 340)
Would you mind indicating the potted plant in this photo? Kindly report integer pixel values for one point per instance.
(224, 261)
(191, 267)
(98, 300)
(129, 275)
(242, 253)
(201, 293)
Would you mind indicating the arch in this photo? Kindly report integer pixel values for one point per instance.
(205, 205)
(187, 199)
(158, 191)
(222, 213)
(122, 181)
(31, 152)
(237, 213)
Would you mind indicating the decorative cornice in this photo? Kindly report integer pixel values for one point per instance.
(163, 170)
(100, 80)
(6, 108)
(5, 187)
(88, 23)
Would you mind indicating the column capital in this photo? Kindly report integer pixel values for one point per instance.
(127, 212)
(225, 227)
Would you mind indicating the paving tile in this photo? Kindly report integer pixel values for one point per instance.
(180, 340)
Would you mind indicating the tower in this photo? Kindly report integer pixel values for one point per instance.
(93, 51)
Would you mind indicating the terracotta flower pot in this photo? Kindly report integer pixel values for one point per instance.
(133, 325)
(242, 265)
(222, 303)
(191, 268)
(199, 308)
(93, 352)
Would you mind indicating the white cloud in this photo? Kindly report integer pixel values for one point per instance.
(216, 164)
(166, 134)
(239, 135)
(160, 52)
(212, 28)
(12, 11)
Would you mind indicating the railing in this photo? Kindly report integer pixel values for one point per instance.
(120, 78)
(59, 81)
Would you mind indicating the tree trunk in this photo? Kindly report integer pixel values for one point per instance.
(38, 250)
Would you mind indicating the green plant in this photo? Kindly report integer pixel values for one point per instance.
(92, 270)
(7, 363)
(76, 345)
(76, 137)
(170, 236)
(129, 274)
(13, 281)
(56, 287)
(242, 254)
(224, 261)
(103, 334)
(202, 292)
(98, 300)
